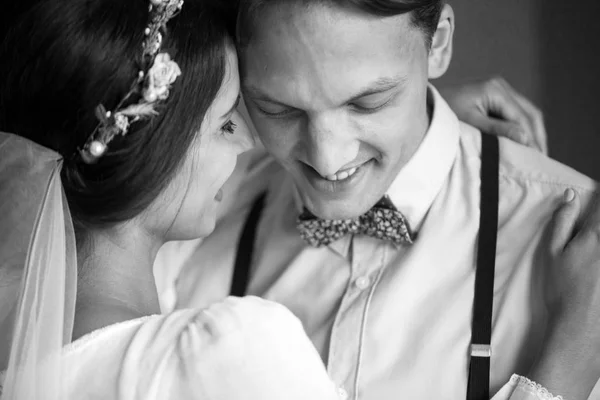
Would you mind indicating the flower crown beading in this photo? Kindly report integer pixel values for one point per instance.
(152, 85)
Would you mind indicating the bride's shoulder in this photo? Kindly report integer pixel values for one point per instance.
(229, 316)
(221, 321)
(192, 352)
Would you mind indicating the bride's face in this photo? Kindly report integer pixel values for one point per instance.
(189, 205)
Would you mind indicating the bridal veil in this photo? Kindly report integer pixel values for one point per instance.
(38, 270)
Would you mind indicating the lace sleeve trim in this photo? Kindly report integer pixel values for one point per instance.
(531, 387)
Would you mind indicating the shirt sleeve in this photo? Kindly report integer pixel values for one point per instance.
(521, 388)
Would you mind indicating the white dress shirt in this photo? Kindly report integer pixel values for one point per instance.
(395, 322)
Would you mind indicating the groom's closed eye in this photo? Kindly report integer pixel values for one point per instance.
(271, 109)
(373, 102)
(377, 95)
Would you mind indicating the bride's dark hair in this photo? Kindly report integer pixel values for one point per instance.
(59, 59)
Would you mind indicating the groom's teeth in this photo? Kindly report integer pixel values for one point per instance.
(340, 176)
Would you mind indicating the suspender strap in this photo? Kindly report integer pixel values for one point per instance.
(243, 259)
(479, 369)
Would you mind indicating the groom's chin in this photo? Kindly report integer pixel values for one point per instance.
(345, 208)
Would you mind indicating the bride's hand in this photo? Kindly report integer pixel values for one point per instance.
(253, 349)
(569, 363)
(495, 107)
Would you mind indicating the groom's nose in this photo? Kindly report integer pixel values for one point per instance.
(328, 143)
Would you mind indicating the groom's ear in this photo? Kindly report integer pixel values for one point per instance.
(440, 53)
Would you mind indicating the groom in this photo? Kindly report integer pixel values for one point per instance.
(338, 92)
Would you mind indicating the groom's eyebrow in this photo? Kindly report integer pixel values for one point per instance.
(257, 94)
(380, 85)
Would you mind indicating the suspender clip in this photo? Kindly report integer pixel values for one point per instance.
(481, 350)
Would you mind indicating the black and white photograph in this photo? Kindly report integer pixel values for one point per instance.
(299, 200)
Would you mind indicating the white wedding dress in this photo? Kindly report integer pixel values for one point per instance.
(241, 348)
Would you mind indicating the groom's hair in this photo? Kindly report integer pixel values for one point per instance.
(425, 14)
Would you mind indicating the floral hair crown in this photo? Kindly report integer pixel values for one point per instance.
(157, 74)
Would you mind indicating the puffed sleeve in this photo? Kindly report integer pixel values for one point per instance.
(241, 348)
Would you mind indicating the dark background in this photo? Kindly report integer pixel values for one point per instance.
(549, 50)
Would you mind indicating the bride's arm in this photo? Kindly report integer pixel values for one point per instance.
(569, 361)
(248, 349)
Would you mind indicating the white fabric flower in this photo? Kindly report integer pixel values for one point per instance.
(122, 123)
(161, 75)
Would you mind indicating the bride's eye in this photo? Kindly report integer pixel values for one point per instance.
(229, 127)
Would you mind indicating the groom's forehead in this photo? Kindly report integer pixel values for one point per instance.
(322, 39)
(266, 17)
(326, 73)
(325, 26)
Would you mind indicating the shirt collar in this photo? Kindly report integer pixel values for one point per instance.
(421, 179)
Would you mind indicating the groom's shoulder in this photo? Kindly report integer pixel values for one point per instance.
(531, 186)
(525, 166)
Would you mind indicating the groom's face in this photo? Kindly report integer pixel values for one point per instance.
(338, 97)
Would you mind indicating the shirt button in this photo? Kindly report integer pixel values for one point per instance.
(342, 393)
(362, 282)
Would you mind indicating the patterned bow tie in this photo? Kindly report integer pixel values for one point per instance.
(382, 221)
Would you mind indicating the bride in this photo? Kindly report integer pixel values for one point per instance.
(125, 132)
(118, 129)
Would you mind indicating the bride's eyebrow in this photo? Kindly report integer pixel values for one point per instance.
(232, 109)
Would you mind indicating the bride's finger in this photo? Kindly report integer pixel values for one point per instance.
(563, 222)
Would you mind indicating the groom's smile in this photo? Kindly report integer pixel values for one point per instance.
(341, 183)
